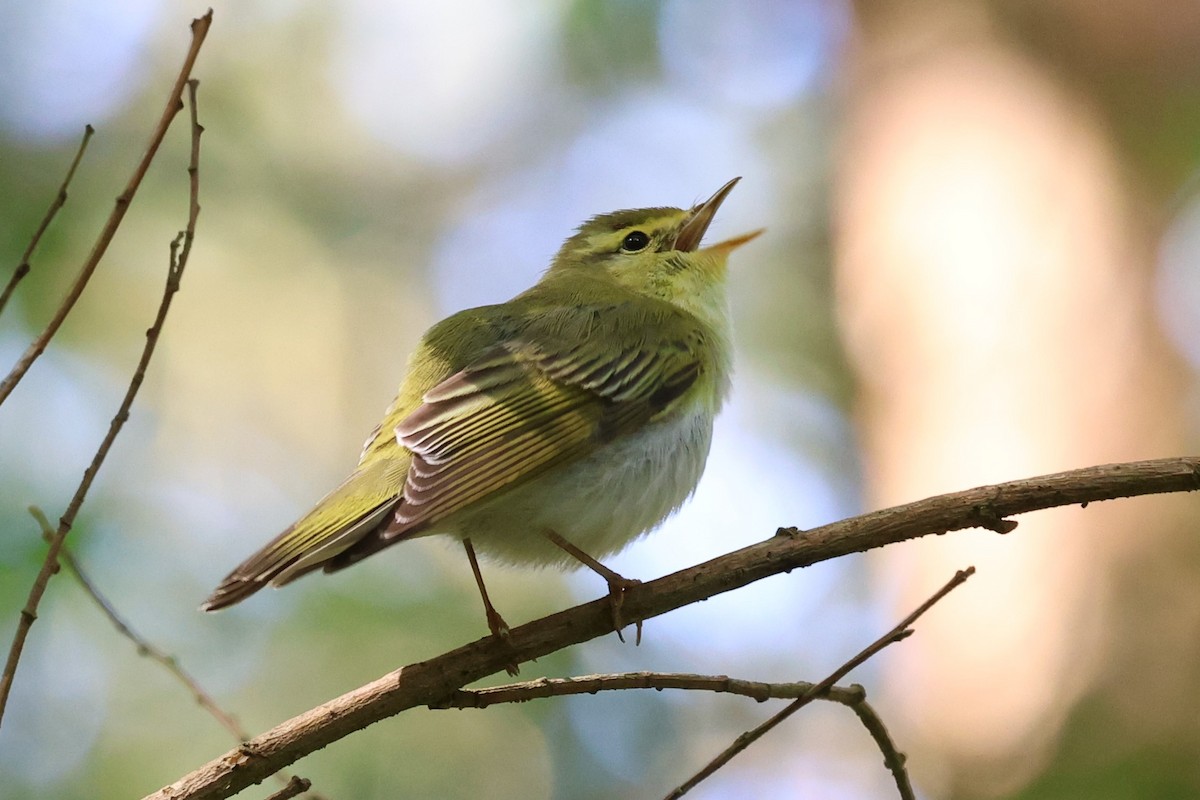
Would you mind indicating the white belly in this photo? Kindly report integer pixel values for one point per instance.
(599, 504)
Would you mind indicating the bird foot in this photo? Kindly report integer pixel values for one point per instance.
(495, 622)
(617, 586)
(500, 633)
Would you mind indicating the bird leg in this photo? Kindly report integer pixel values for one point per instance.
(496, 623)
(617, 584)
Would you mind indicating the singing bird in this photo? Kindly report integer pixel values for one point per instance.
(553, 429)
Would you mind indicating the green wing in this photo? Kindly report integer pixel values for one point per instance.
(557, 387)
(527, 406)
(335, 524)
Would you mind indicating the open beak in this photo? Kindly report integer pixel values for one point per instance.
(689, 236)
(729, 245)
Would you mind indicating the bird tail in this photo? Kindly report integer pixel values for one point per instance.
(339, 521)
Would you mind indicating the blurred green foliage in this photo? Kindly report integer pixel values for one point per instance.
(315, 269)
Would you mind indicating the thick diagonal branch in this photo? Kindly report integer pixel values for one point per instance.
(434, 681)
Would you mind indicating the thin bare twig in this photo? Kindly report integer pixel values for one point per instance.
(143, 645)
(852, 696)
(430, 682)
(59, 201)
(590, 684)
(178, 261)
(200, 28)
(148, 649)
(893, 759)
(902, 631)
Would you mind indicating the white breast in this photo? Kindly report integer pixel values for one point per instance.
(620, 492)
(601, 503)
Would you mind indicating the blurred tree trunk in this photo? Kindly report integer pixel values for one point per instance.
(994, 275)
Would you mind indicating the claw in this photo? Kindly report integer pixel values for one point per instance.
(499, 629)
(617, 584)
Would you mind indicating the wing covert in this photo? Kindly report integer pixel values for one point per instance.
(524, 407)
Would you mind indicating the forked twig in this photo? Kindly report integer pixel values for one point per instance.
(895, 761)
(853, 697)
(200, 28)
(60, 200)
(178, 261)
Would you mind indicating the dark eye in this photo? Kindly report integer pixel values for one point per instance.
(634, 242)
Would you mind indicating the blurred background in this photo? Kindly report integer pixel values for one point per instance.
(982, 263)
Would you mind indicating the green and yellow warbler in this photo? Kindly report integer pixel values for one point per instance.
(552, 429)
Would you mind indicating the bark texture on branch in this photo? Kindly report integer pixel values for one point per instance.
(433, 682)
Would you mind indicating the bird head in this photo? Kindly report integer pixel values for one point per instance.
(653, 251)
